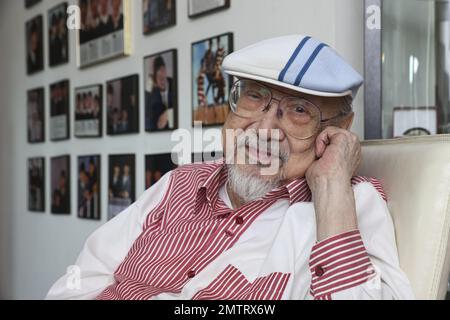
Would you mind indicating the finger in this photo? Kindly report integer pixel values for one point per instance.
(321, 144)
(325, 138)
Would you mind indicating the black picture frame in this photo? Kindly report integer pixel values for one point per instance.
(34, 44)
(36, 184)
(59, 175)
(118, 200)
(59, 95)
(163, 22)
(156, 166)
(36, 115)
(117, 99)
(89, 190)
(215, 8)
(153, 101)
(58, 35)
(88, 124)
(201, 111)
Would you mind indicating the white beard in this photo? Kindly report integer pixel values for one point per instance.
(247, 186)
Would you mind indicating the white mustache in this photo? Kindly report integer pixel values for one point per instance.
(252, 139)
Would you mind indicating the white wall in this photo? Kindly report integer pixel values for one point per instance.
(35, 249)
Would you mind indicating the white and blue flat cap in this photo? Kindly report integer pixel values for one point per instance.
(296, 62)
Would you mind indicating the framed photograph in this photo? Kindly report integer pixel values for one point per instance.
(60, 184)
(59, 111)
(121, 186)
(207, 156)
(414, 121)
(88, 111)
(156, 166)
(158, 15)
(30, 3)
(89, 187)
(36, 115)
(122, 105)
(58, 35)
(105, 31)
(210, 86)
(35, 45)
(161, 98)
(36, 184)
(198, 8)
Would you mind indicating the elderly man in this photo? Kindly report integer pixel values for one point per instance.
(239, 229)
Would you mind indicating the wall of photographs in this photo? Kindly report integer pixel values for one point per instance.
(87, 117)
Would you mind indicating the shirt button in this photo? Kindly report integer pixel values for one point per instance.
(239, 220)
(191, 274)
(224, 216)
(229, 233)
(319, 271)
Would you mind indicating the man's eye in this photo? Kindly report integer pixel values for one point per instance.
(299, 110)
(253, 95)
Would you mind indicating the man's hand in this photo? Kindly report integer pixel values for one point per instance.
(339, 155)
(329, 178)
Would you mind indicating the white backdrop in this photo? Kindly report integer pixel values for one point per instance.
(35, 249)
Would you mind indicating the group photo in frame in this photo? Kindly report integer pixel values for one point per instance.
(161, 94)
(105, 31)
(197, 8)
(58, 35)
(210, 85)
(89, 196)
(36, 115)
(59, 111)
(36, 184)
(156, 166)
(60, 185)
(122, 105)
(121, 183)
(158, 15)
(88, 111)
(35, 45)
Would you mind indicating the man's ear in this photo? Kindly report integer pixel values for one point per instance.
(347, 121)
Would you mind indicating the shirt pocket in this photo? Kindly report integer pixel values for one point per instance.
(231, 284)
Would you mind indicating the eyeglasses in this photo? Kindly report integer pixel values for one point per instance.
(299, 117)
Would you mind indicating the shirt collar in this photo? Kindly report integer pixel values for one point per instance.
(217, 174)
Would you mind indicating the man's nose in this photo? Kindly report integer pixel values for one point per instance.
(271, 121)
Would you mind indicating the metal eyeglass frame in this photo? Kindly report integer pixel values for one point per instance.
(267, 108)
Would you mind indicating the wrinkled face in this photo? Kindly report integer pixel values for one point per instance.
(295, 155)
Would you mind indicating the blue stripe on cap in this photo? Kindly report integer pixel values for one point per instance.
(293, 57)
(308, 63)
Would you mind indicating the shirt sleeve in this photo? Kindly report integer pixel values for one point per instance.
(360, 264)
(106, 248)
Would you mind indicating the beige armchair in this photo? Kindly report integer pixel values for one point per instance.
(415, 173)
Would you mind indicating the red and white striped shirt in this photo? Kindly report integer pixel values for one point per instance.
(183, 240)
